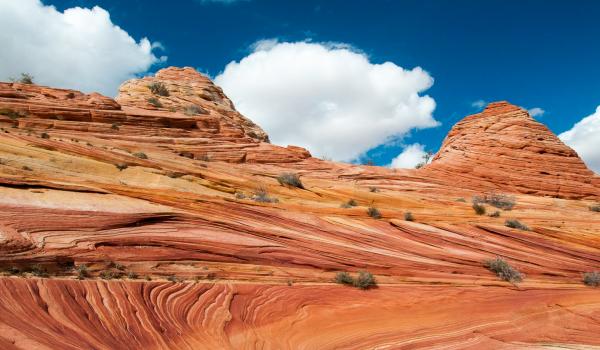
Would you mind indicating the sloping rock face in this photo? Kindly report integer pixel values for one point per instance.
(162, 216)
(504, 148)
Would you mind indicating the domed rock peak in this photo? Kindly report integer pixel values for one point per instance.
(504, 148)
(185, 90)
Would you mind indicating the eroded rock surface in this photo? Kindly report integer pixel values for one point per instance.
(163, 199)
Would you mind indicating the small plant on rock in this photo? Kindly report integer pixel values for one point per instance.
(262, 196)
(82, 271)
(25, 78)
(591, 279)
(495, 214)
(595, 208)
(408, 216)
(172, 278)
(344, 278)
(44, 135)
(349, 204)
(155, 102)
(503, 270)
(479, 208)
(121, 166)
(132, 275)
(290, 180)
(365, 280)
(514, 223)
(498, 200)
(194, 110)
(373, 189)
(140, 155)
(114, 126)
(374, 213)
(158, 88)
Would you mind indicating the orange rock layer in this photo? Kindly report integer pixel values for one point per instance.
(164, 197)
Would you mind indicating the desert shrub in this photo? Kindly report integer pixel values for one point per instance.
(204, 157)
(38, 270)
(374, 213)
(498, 200)
(121, 166)
(495, 214)
(349, 204)
(373, 189)
(140, 155)
(158, 88)
(461, 200)
(479, 208)
(503, 270)
(13, 270)
(114, 126)
(26, 168)
(193, 110)
(344, 278)
(132, 275)
(172, 278)
(148, 278)
(514, 223)
(174, 174)
(591, 279)
(290, 180)
(25, 78)
(155, 102)
(364, 280)
(44, 135)
(595, 208)
(110, 274)
(82, 271)
(11, 113)
(408, 216)
(116, 265)
(262, 196)
(240, 195)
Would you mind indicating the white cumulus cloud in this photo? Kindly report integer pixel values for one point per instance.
(410, 156)
(584, 138)
(79, 48)
(536, 112)
(327, 97)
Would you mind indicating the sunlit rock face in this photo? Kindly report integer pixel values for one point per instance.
(163, 196)
(504, 148)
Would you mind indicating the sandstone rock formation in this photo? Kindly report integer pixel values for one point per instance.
(504, 148)
(163, 198)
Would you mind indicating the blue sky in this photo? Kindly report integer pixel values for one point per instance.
(543, 54)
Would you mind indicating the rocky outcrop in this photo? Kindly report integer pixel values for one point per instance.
(503, 148)
(161, 202)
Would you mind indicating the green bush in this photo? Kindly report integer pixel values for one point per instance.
(121, 166)
(373, 189)
(172, 278)
(114, 126)
(11, 113)
(374, 213)
(194, 110)
(479, 208)
(514, 223)
(44, 135)
(408, 216)
(158, 88)
(591, 279)
(140, 155)
(155, 102)
(503, 270)
(344, 278)
(25, 78)
(349, 204)
(495, 214)
(365, 280)
(110, 274)
(595, 208)
(132, 275)
(38, 270)
(262, 196)
(290, 180)
(82, 271)
(498, 200)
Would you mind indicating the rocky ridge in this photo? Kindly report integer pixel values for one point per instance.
(163, 197)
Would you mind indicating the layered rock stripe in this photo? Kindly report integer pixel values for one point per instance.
(228, 272)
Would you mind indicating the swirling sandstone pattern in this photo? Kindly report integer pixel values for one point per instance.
(75, 189)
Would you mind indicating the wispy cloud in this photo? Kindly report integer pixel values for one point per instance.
(479, 104)
(536, 112)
